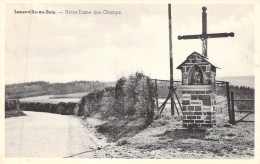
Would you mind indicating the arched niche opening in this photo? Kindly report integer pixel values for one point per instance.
(195, 76)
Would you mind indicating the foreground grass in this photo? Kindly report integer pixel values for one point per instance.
(166, 139)
(121, 128)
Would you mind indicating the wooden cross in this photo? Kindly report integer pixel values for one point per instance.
(204, 36)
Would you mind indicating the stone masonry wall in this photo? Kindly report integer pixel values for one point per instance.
(208, 74)
(198, 107)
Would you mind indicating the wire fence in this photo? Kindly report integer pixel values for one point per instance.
(223, 98)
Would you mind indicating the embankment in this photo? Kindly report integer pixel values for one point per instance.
(60, 108)
(15, 106)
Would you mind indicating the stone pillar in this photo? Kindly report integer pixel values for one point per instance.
(198, 102)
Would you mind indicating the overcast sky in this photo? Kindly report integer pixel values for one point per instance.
(62, 48)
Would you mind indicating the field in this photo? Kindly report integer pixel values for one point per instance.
(75, 97)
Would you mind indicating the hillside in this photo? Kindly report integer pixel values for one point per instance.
(247, 81)
(30, 89)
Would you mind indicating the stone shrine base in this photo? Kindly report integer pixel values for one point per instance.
(198, 103)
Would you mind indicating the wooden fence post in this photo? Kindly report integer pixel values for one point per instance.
(233, 109)
(228, 101)
(156, 94)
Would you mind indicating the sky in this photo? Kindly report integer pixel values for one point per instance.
(63, 48)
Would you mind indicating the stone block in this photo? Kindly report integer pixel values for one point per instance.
(190, 92)
(185, 102)
(199, 121)
(194, 97)
(184, 107)
(188, 121)
(209, 113)
(207, 102)
(207, 117)
(198, 108)
(184, 92)
(204, 97)
(193, 125)
(190, 108)
(207, 74)
(200, 92)
(187, 113)
(206, 108)
(184, 76)
(191, 117)
(213, 74)
(208, 92)
(184, 117)
(186, 97)
(203, 67)
(194, 61)
(197, 113)
(208, 68)
(196, 102)
(183, 69)
(187, 69)
(199, 117)
(206, 125)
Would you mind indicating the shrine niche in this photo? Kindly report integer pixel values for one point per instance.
(197, 70)
(195, 76)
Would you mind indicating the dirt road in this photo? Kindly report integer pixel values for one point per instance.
(48, 135)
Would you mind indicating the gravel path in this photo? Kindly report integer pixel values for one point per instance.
(48, 135)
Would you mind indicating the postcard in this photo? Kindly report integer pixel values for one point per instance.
(151, 81)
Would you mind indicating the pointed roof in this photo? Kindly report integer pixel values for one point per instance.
(203, 57)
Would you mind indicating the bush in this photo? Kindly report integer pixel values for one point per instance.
(91, 103)
(130, 97)
(12, 108)
(140, 95)
(129, 106)
(119, 96)
(11, 105)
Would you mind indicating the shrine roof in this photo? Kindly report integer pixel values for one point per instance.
(201, 56)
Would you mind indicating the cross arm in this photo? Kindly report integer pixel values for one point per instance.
(220, 35)
(205, 36)
(189, 37)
